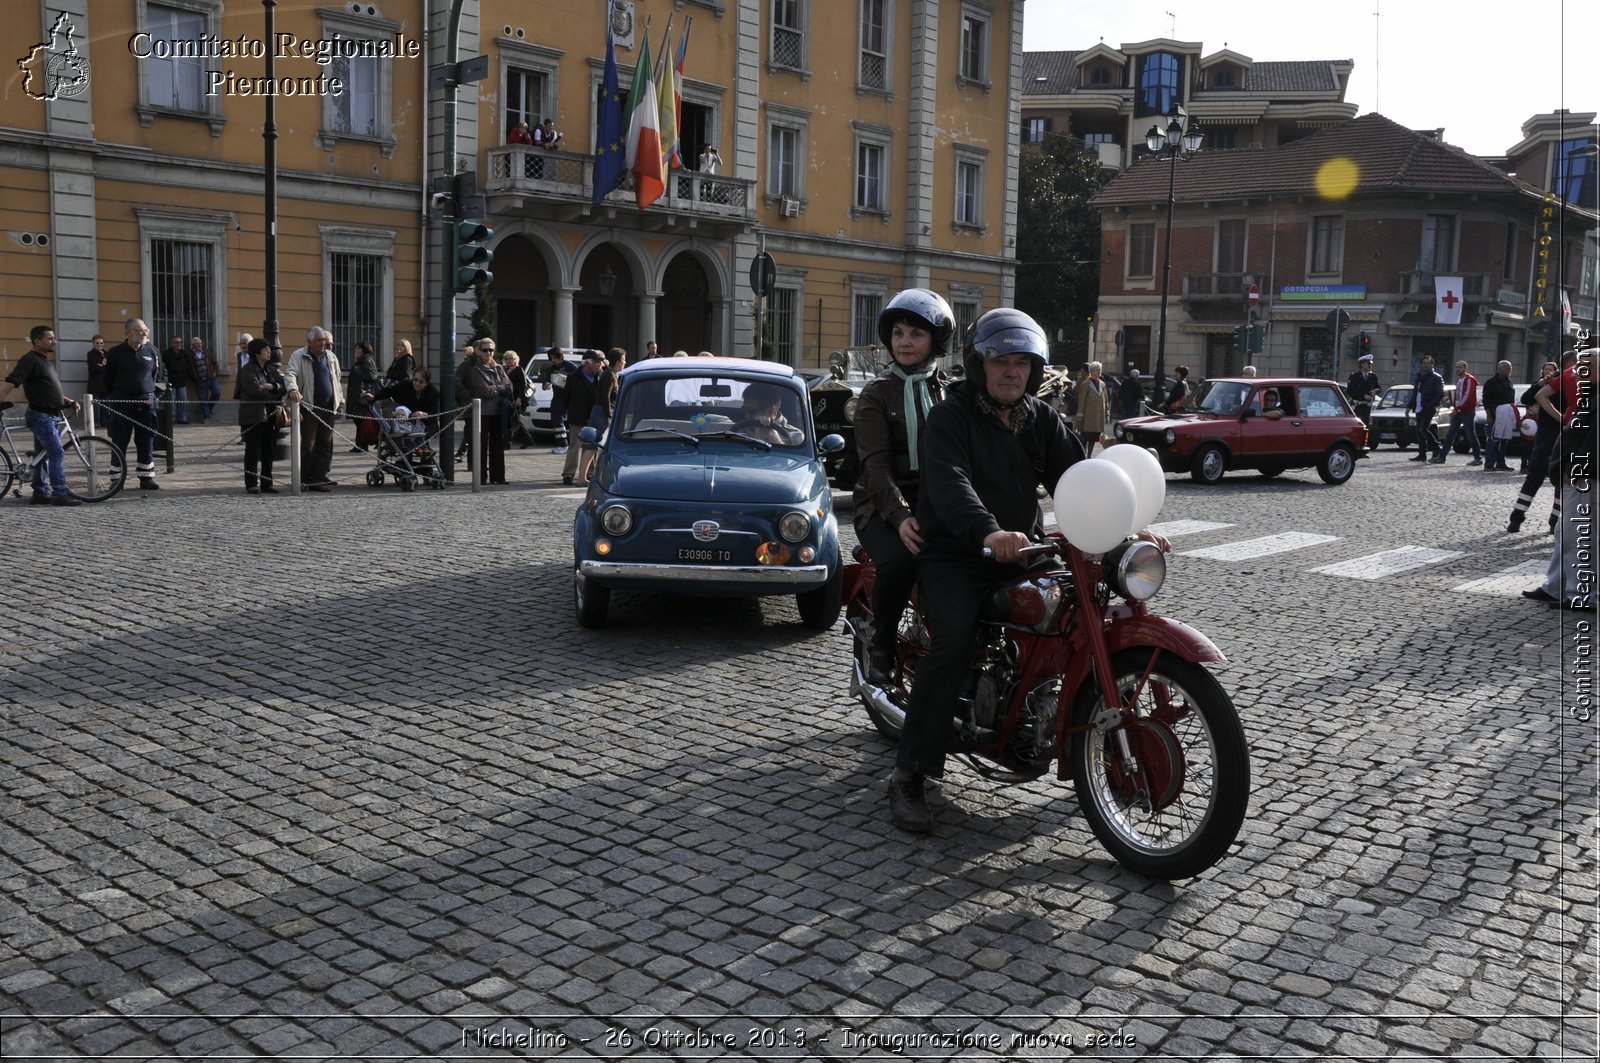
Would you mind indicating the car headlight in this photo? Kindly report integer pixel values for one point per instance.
(1172, 437)
(616, 520)
(794, 526)
(850, 409)
(1136, 570)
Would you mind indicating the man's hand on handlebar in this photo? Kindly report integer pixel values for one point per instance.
(1160, 540)
(1005, 546)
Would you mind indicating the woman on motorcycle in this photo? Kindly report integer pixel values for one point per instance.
(891, 411)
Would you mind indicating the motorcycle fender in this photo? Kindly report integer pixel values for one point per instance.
(857, 580)
(1159, 632)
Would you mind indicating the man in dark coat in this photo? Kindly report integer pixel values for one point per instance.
(130, 383)
(1426, 395)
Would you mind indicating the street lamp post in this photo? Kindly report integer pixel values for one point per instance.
(1178, 140)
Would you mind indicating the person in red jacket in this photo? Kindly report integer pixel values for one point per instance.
(1462, 417)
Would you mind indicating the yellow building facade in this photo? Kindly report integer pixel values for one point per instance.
(868, 145)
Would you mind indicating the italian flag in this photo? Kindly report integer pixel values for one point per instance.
(643, 155)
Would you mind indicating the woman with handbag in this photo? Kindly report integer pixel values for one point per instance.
(262, 416)
(361, 379)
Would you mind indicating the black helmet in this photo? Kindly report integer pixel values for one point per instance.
(1005, 331)
(924, 309)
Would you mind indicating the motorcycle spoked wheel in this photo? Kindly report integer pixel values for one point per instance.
(1179, 814)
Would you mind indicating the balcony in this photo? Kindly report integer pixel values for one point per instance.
(556, 185)
(1218, 291)
(1418, 283)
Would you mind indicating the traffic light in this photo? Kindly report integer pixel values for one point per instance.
(1258, 335)
(1241, 339)
(1363, 346)
(471, 256)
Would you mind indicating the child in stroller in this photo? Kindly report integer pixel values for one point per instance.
(404, 451)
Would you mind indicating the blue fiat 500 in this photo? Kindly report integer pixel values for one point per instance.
(709, 482)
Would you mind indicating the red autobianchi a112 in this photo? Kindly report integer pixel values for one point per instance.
(1266, 424)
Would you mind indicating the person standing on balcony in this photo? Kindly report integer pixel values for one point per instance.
(710, 163)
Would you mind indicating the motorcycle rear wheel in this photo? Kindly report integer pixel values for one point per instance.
(1183, 810)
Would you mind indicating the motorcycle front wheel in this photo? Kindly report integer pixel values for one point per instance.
(1180, 811)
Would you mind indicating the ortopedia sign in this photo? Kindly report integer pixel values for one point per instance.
(1314, 293)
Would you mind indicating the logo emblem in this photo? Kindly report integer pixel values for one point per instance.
(55, 69)
(706, 530)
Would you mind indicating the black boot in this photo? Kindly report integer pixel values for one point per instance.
(1515, 523)
(908, 803)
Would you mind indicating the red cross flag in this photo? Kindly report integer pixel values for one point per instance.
(1447, 305)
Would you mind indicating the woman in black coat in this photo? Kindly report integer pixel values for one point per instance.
(362, 378)
(261, 391)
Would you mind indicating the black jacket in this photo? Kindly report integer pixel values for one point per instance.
(1497, 391)
(1363, 387)
(131, 371)
(1430, 390)
(888, 486)
(979, 477)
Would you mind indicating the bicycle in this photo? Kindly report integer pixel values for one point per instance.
(95, 469)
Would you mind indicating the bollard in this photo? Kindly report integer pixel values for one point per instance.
(167, 428)
(294, 447)
(475, 452)
(89, 444)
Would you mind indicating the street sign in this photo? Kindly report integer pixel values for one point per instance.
(1338, 321)
(1253, 297)
(763, 275)
(470, 70)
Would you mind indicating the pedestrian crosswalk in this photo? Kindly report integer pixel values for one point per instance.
(1507, 582)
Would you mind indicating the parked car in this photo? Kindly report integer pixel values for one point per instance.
(1227, 430)
(1392, 419)
(689, 497)
(833, 408)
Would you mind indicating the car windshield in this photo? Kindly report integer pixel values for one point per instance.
(676, 408)
(1225, 397)
(1395, 397)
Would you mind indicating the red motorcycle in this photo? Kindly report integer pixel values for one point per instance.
(1116, 697)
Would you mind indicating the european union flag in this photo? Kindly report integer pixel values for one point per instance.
(608, 144)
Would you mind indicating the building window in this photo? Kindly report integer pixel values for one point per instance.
(1327, 244)
(1508, 267)
(1438, 243)
(363, 111)
(864, 319)
(1223, 138)
(176, 84)
(1142, 249)
(783, 325)
(1034, 129)
(1092, 139)
(874, 65)
(181, 286)
(870, 178)
(1158, 84)
(1574, 179)
(969, 191)
(1100, 75)
(974, 65)
(1230, 245)
(788, 34)
(1224, 77)
(785, 161)
(356, 289)
(966, 311)
(524, 96)
(1136, 347)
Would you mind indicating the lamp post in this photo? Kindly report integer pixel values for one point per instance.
(1179, 139)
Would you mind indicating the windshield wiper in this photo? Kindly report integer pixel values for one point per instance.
(630, 433)
(762, 443)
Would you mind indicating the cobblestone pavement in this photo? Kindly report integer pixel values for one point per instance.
(338, 777)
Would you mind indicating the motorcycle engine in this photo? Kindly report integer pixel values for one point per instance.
(995, 674)
(1033, 743)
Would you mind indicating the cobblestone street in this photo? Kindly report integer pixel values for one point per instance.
(339, 776)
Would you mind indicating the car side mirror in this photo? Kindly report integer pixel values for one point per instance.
(589, 435)
(831, 443)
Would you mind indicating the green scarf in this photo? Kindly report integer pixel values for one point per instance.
(918, 400)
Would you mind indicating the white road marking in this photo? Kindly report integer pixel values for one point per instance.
(1388, 562)
(1171, 528)
(1509, 582)
(1265, 546)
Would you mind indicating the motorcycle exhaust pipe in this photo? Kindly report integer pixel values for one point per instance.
(876, 697)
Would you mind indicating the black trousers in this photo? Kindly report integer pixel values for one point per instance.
(891, 587)
(949, 593)
(259, 439)
(491, 450)
(137, 420)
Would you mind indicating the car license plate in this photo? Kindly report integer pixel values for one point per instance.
(689, 553)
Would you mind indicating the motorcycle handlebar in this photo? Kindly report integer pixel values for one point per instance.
(1026, 551)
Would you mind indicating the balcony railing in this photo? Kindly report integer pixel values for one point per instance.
(1219, 285)
(1416, 282)
(566, 177)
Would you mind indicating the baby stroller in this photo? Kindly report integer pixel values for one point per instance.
(404, 452)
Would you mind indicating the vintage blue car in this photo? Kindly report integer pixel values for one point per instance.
(709, 482)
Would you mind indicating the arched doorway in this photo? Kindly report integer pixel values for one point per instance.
(599, 310)
(521, 296)
(683, 316)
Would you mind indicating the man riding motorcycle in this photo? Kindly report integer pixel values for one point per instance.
(985, 450)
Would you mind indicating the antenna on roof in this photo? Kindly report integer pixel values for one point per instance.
(1377, 56)
(1173, 29)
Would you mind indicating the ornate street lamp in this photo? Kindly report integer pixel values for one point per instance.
(1179, 139)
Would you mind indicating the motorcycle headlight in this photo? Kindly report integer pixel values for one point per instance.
(616, 520)
(1137, 570)
(794, 526)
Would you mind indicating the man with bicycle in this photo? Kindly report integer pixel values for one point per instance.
(37, 378)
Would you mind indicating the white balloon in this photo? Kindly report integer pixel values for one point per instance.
(1095, 504)
(1149, 481)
